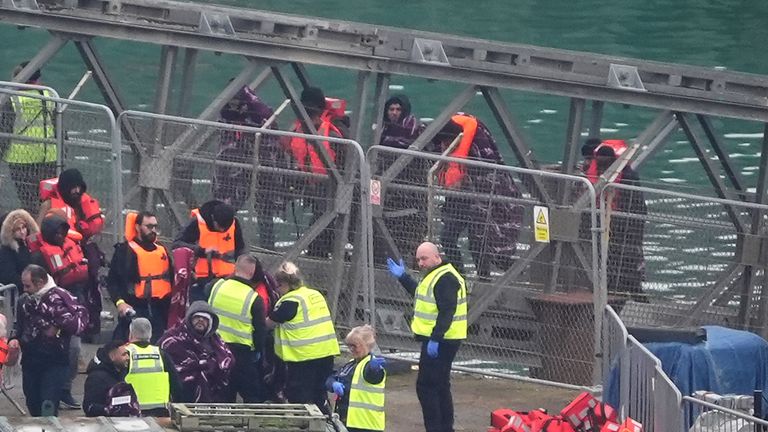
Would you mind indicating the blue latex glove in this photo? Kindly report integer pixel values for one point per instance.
(338, 388)
(396, 268)
(255, 356)
(432, 347)
(378, 363)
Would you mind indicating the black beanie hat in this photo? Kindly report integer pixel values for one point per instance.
(588, 149)
(70, 178)
(224, 215)
(313, 98)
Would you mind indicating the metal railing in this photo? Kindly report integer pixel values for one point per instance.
(485, 225)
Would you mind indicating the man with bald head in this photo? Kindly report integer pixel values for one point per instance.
(440, 324)
(242, 327)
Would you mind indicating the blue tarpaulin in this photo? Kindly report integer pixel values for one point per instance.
(728, 362)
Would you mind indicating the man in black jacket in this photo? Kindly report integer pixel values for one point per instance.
(440, 324)
(134, 261)
(106, 369)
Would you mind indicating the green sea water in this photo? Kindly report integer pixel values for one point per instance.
(722, 34)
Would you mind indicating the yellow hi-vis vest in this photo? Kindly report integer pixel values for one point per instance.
(34, 119)
(425, 306)
(148, 377)
(310, 334)
(366, 401)
(232, 300)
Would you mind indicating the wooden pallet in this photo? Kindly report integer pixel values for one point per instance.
(248, 417)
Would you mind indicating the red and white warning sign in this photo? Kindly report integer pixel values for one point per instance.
(375, 192)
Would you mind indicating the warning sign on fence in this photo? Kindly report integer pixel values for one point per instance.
(375, 192)
(541, 224)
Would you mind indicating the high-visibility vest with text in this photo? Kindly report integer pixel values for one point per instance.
(147, 375)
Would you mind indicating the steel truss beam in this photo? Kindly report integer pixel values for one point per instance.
(383, 49)
(720, 188)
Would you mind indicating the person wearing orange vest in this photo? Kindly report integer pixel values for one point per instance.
(67, 194)
(492, 226)
(214, 233)
(626, 260)
(306, 158)
(140, 276)
(63, 258)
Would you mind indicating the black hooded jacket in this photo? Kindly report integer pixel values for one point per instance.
(405, 105)
(102, 376)
(190, 235)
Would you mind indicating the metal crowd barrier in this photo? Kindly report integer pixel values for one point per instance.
(87, 139)
(528, 251)
(681, 260)
(703, 416)
(321, 220)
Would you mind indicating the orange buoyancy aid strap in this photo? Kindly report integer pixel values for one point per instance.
(455, 172)
(130, 226)
(154, 271)
(469, 129)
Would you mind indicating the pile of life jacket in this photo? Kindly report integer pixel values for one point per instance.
(583, 414)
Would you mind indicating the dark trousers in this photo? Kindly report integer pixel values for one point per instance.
(156, 311)
(305, 382)
(456, 219)
(27, 178)
(42, 383)
(246, 378)
(433, 387)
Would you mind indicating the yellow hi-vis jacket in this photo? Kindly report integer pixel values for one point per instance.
(425, 306)
(232, 301)
(366, 401)
(34, 119)
(147, 375)
(310, 334)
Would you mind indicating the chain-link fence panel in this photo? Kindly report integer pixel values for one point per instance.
(41, 134)
(526, 251)
(677, 260)
(296, 197)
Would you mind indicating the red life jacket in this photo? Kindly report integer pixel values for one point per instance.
(305, 154)
(3, 350)
(618, 146)
(66, 264)
(92, 222)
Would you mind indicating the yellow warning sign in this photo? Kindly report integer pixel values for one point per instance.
(541, 224)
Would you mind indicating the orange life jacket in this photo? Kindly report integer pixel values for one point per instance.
(93, 221)
(223, 242)
(154, 266)
(66, 264)
(306, 155)
(455, 172)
